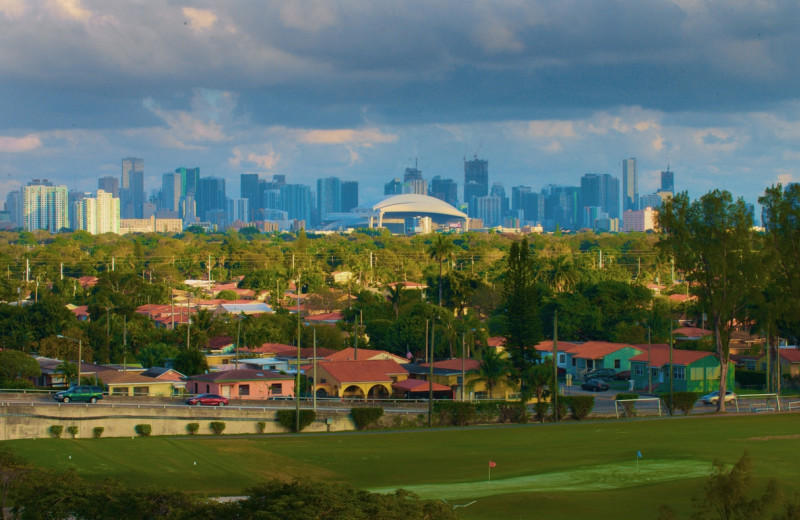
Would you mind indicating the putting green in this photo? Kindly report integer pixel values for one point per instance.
(594, 478)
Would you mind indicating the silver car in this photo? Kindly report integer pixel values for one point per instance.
(713, 397)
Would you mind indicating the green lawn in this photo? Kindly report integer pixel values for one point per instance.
(571, 470)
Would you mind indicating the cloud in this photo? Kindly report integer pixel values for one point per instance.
(309, 15)
(12, 9)
(185, 129)
(19, 144)
(367, 137)
(73, 9)
(200, 19)
(267, 161)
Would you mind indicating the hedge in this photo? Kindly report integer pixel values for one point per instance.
(98, 431)
(288, 419)
(143, 429)
(73, 430)
(363, 417)
(56, 430)
(580, 406)
(684, 402)
(261, 426)
(457, 413)
(217, 427)
(630, 408)
(192, 428)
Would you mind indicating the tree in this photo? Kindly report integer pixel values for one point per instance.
(17, 368)
(492, 370)
(522, 296)
(713, 243)
(191, 361)
(440, 250)
(13, 472)
(396, 292)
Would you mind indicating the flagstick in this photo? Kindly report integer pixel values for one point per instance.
(490, 475)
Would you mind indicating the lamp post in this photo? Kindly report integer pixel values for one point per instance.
(80, 348)
(430, 379)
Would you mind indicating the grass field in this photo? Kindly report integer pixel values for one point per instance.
(571, 470)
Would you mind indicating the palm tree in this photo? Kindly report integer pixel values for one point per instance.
(440, 250)
(396, 292)
(492, 370)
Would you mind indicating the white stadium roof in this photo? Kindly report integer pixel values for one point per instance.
(412, 205)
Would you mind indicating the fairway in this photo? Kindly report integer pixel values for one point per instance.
(567, 470)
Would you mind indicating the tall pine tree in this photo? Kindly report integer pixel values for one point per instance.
(522, 302)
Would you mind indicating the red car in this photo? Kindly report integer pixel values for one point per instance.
(207, 400)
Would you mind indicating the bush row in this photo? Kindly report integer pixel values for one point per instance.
(364, 417)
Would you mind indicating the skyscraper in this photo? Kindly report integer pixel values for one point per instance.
(109, 185)
(44, 206)
(98, 213)
(349, 195)
(14, 207)
(444, 189)
(668, 181)
(210, 196)
(393, 187)
(630, 186)
(329, 196)
(476, 178)
(190, 179)
(132, 187)
(171, 189)
(296, 201)
(599, 190)
(413, 181)
(248, 189)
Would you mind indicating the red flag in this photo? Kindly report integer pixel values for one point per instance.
(492, 464)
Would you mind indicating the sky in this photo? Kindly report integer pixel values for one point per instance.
(546, 91)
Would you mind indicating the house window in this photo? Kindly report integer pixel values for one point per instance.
(617, 364)
(323, 380)
(638, 370)
(244, 389)
(679, 372)
(207, 389)
(574, 362)
(562, 358)
(276, 389)
(141, 390)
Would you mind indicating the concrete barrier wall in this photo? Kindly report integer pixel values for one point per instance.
(26, 421)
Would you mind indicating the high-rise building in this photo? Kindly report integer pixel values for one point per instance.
(499, 191)
(171, 189)
(518, 196)
(210, 196)
(248, 189)
(190, 180)
(476, 178)
(296, 201)
(132, 187)
(444, 189)
(413, 182)
(329, 196)
(489, 209)
(668, 181)
(393, 187)
(14, 207)
(602, 191)
(630, 186)
(98, 213)
(533, 206)
(238, 210)
(109, 184)
(45, 206)
(561, 207)
(349, 195)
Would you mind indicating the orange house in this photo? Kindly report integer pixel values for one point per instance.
(242, 384)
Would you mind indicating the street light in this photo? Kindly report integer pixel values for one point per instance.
(80, 348)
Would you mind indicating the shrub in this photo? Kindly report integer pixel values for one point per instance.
(72, 430)
(143, 430)
(97, 431)
(513, 412)
(683, 401)
(580, 406)
(192, 428)
(364, 417)
(457, 413)
(261, 426)
(217, 427)
(288, 419)
(56, 430)
(490, 411)
(540, 409)
(562, 409)
(630, 407)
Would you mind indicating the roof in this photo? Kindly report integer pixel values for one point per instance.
(242, 374)
(245, 308)
(454, 364)
(496, 341)
(367, 371)
(349, 354)
(692, 332)
(419, 385)
(792, 355)
(409, 203)
(272, 348)
(659, 356)
(331, 316)
(563, 346)
(218, 342)
(598, 349)
(156, 372)
(114, 377)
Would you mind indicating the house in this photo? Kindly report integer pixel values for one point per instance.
(579, 358)
(420, 389)
(119, 383)
(448, 372)
(351, 354)
(363, 379)
(166, 374)
(789, 359)
(329, 318)
(691, 333)
(243, 307)
(693, 370)
(244, 383)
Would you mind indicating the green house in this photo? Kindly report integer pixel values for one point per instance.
(693, 371)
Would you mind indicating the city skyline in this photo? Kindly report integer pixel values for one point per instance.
(542, 90)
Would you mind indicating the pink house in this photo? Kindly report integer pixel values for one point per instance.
(242, 384)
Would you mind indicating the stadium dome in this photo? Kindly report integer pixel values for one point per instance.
(411, 205)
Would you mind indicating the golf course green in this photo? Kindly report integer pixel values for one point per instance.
(569, 470)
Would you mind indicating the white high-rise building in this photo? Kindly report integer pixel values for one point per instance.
(98, 213)
(45, 206)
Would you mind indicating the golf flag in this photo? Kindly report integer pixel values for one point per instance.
(639, 454)
(492, 464)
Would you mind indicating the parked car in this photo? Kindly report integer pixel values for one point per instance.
(600, 373)
(595, 385)
(713, 397)
(625, 375)
(90, 394)
(207, 400)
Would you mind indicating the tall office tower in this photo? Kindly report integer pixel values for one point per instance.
(444, 189)
(279, 180)
(109, 184)
(210, 196)
(561, 207)
(132, 187)
(171, 189)
(668, 181)
(296, 201)
(651, 200)
(349, 195)
(393, 187)
(630, 186)
(72, 197)
(238, 210)
(329, 196)
(248, 189)
(98, 213)
(476, 178)
(14, 207)
(500, 192)
(602, 191)
(413, 182)
(533, 205)
(44, 206)
(190, 180)
(518, 196)
(489, 209)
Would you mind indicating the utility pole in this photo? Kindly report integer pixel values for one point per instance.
(430, 380)
(649, 370)
(555, 366)
(297, 368)
(671, 371)
(314, 374)
(463, 363)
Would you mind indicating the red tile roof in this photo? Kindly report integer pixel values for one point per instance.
(349, 354)
(597, 349)
(660, 356)
(692, 332)
(419, 385)
(273, 348)
(331, 316)
(563, 346)
(242, 374)
(792, 355)
(379, 370)
(496, 341)
(220, 342)
(454, 364)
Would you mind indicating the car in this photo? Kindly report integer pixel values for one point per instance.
(625, 375)
(207, 400)
(595, 385)
(85, 393)
(600, 373)
(713, 397)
